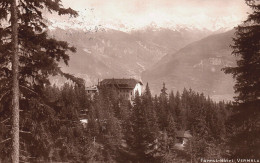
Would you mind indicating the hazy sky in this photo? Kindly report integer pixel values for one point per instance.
(140, 13)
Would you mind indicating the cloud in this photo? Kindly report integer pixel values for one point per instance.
(143, 12)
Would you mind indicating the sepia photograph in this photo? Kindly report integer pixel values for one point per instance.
(130, 81)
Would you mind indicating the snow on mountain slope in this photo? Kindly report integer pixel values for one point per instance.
(88, 21)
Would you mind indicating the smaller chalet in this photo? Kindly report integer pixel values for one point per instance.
(125, 88)
(182, 138)
(91, 91)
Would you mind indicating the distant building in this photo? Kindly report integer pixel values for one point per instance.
(182, 137)
(125, 88)
(91, 91)
(84, 122)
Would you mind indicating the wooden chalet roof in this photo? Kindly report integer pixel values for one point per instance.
(183, 134)
(121, 83)
(93, 88)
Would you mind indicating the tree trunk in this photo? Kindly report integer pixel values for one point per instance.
(15, 86)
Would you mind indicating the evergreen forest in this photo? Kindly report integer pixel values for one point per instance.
(116, 130)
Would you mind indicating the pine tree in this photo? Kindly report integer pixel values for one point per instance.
(163, 93)
(178, 110)
(38, 58)
(171, 131)
(110, 133)
(153, 128)
(15, 86)
(172, 104)
(245, 142)
(163, 108)
(149, 108)
(72, 139)
(140, 141)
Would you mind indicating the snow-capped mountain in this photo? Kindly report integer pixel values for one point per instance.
(199, 22)
(150, 52)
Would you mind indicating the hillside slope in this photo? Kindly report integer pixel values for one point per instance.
(112, 53)
(197, 66)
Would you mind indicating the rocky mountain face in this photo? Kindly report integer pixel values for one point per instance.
(170, 40)
(112, 53)
(197, 66)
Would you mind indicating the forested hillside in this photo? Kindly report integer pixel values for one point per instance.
(117, 131)
(201, 62)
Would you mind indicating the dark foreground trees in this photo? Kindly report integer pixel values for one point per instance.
(28, 58)
(245, 122)
(135, 133)
(116, 131)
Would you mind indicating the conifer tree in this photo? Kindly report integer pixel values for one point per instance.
(178, 110)
(38, 55)
(172, 104)
(140, 141)
(110, 130)
(171, 131)
(163, 93)
(245, 141)
(163, 108)
(15, 85)
(149, 108)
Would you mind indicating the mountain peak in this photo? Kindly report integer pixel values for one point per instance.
(176, 24)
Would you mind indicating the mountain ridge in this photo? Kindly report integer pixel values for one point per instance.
(198, 66)
(113, 53)
(84, 22)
